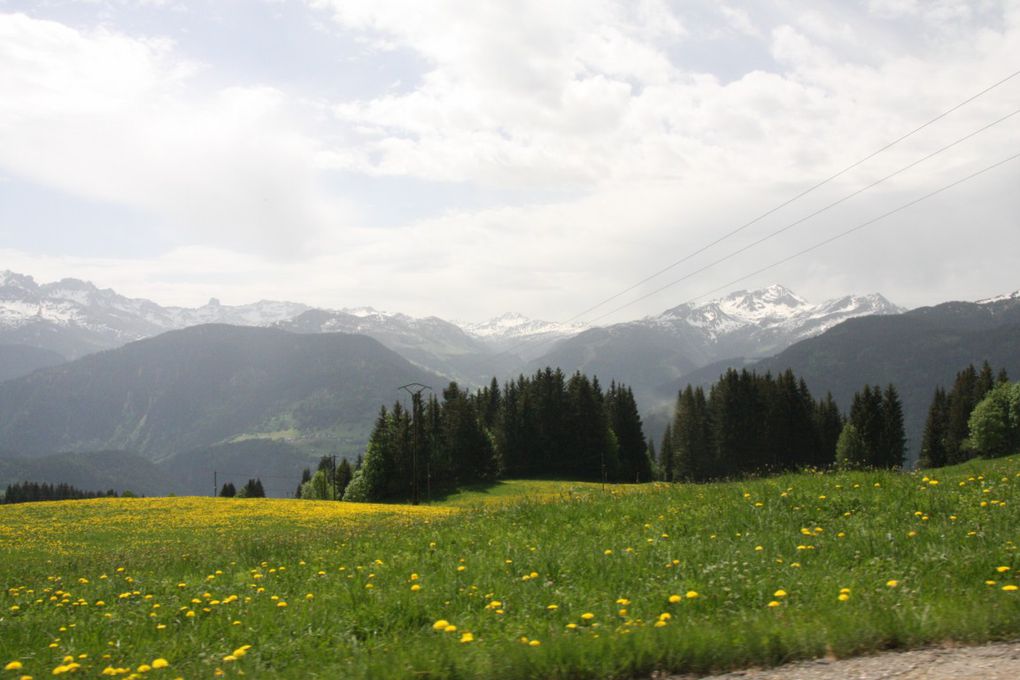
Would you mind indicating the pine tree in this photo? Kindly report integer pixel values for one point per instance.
(933, 441)
(893, 440)
(368, 483)
(343, 477)
(306, 475)
(961, 403)
(869, 425)
(228, 490)
(828, 425)
(625, 422)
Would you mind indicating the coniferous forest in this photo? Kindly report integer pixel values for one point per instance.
(545, 425)
(548, 425)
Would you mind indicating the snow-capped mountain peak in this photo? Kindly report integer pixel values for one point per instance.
(772, 309)
(517, 325)
(1015, 295)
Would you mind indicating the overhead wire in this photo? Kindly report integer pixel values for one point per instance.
(807, 217)
(855, 228)
(797, 197)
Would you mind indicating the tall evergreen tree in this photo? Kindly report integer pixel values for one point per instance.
(343, 477)
(625, 422)
(893, 442)
(961, 402)
(828, 425)
(933, 441)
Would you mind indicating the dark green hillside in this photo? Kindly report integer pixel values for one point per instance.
(91, 471)
(278, 464)
(206, 385)
(19, 360)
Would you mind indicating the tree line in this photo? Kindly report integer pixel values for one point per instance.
(549, 425)
(28, 492)
(251, 489)
(756, 424)
(544, 425)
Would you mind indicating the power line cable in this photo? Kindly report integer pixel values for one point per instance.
(798, 196)
(851, 230)
(821, 210)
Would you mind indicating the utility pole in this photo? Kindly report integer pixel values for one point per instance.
(415, 390)
(215, 486)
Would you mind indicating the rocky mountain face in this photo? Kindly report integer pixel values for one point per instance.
(204, 386)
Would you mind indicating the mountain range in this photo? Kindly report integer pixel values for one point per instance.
(72, 318)
(277, 384)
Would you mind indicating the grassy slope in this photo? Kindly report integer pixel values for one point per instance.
(920, 562)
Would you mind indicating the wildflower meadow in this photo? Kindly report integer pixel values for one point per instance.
(516, 580)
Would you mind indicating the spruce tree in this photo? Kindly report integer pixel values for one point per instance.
(893, 440)
(961, 403)
(828, 426)
(625, 422)
(933, 441)
(343, 477)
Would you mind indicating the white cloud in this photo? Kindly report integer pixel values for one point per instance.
(120, 119)
(534, 101)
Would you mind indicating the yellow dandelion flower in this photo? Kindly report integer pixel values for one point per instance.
(441, 624)
(281, 603)
(892, 583)
(587, 616)
(843, 597)
(692, 594)
(450, 629)
(467, 637)
(13, 666)
(1009, 588)
(160, 663)
(774, 603)
(1002, 570)
(673, 599)
(534, 643)
(779, 593)
(552, 607)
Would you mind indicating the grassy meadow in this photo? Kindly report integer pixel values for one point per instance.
(517, 580)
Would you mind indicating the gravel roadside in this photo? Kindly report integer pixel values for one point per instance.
(998, 661)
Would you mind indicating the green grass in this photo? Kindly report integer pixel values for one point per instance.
(921, 562)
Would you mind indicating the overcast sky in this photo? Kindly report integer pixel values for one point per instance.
(465, 158)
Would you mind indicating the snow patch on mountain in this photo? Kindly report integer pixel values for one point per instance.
(774, 308)
(513, 325)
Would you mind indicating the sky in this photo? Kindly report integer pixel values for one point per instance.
(465, 159)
